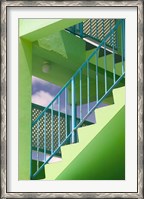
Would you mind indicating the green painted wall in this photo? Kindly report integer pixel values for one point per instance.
(104, 157)
(33, 29)
(24, 108)
(28, 26)
(41, 175)
(64, 53)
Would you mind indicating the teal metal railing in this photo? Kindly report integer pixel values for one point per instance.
(96, 29)
(80, 83)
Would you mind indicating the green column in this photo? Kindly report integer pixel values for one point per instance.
(24, 108)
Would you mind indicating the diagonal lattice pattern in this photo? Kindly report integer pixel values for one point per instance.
(99, 28)
(52, 139)
(51, 128)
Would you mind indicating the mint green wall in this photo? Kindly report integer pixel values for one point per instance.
(33, 29)
(41, 175)
(104, 157)
(24, 108)
(63, 51)
(30, 25)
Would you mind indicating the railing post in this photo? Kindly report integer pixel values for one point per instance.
(38, 131)
(80, 95)
(31, 155)
(90, 27)
(110, 23)
(124, 36)
(73, 110)
(96, 28)
(97, 86)
(81, 29)
(59, 124)
(105, 67)
(114, 70)
(122, 47)
(52, 135)
(45, 136)
(103, 28)
(116, 40)
(66, 113)
(88, 88)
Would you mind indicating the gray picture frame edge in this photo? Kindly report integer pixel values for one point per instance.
(4, 6)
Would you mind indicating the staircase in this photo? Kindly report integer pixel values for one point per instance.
(93, 140)
(72, 95)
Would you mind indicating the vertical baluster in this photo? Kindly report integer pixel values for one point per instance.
(122, 47)
(105, 67)
(103, 28)
(124, 39)
(97, 91)
(116, 42)
(80, 94)
(31, 153)
(52, 132)
(66, 103)
(59, 121)
(88, 87)
(73, 109)
(81, 29)
(114, 39)
(45, 136)
(74, 28)
(38, 129)
(110, 30)
(96, 28)
(90, 27)
(114, 76)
